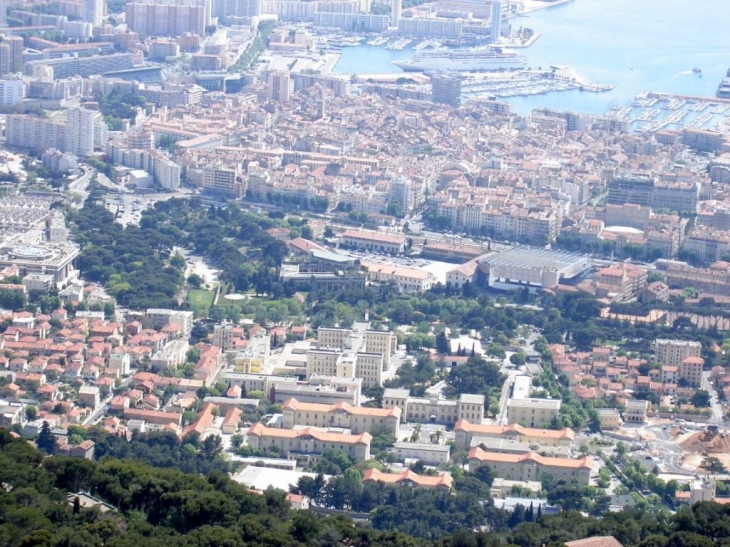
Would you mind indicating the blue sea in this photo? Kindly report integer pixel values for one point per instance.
(637, 45)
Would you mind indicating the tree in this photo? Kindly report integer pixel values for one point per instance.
(77, 505)
(701, 398)
(46, 440)
(442, 343)
(31, 413)
(518, 358)
(713, 465)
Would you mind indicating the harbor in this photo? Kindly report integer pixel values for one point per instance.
(652, 112)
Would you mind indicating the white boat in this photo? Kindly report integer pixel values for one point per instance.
(464, 60)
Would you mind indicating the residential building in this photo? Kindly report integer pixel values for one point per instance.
(168, 17)
(254, 358)
(156, 318)
(12, 90)
(281, 87)
(635, 411)
(89, 396)
(532, 412)
(356, 419)
(171, 356)
(409, 478)
(93, 11)
(690, 371)
(532, 467)
(309, 441)
(674, 352)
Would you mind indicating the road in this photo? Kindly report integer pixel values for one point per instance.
(80, 185)
(715, 405)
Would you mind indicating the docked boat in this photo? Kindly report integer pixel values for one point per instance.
(465, 60)
(723, 90)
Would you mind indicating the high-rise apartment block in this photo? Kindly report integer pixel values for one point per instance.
(11, 55)
(93, 11)
(81, 131)
(168, 17)
(281, 87)
(446, 88)
(674, 352)
(496, 20)
(396, 7)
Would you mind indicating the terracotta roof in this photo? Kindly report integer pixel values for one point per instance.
(293, 404)
(482, 455)
(408, 476)
(597, 541)
(261, 431)
(504, 429)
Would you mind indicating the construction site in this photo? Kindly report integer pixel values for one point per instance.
(698, 445)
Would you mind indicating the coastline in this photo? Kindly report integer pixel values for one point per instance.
(527, 44)
(537, 6)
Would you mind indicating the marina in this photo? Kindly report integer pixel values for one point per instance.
(652, 112)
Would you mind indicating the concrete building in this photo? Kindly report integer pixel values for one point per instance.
(374, 241)
(465, 434)
(635, 411)
(396, 7)
(326, 390)
(281, 87)
(80, 126)
(340, 415)
(309, 442)
(254, 358)
(93, 11)
(532, 412)
(171, 356)
(223, 336)
(43, 258)
(406, 279)
(168, 17)
(434, 409)
(89, 396)
(66, 67)
(534, 266)
(156, 318)
(428, 453)
(532, 467)
(496, 27)
(38, 282)
(610, 418)
(690, 371)
(446, 88)
(12, 90)
(674, 352)
(120, 361)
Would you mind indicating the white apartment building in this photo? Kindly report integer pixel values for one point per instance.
(120, 361)
(309, 442)
(80, 128)
(156, 318)
(674, 352)
(532, 412)
(356, 419)
(12, 90)
(171, 356)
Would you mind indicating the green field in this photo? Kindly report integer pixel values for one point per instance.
(200, 301)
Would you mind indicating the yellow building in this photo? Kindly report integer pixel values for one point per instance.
(311, 442)
(464, 432)
(531, 466)
(254, 357)
(356, 419)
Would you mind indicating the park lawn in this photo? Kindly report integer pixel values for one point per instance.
(200, 301)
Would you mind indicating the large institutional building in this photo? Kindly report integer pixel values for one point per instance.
(532, 467)
(357, 419)
(309, 441)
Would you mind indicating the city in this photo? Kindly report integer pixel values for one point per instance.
(249, 295)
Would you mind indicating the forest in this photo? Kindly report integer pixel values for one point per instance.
(165, 507)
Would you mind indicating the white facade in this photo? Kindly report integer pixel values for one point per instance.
(12, 90)
(80, 126)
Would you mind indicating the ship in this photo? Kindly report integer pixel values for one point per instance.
(723, 90)
(464, 60)
(697, 70)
